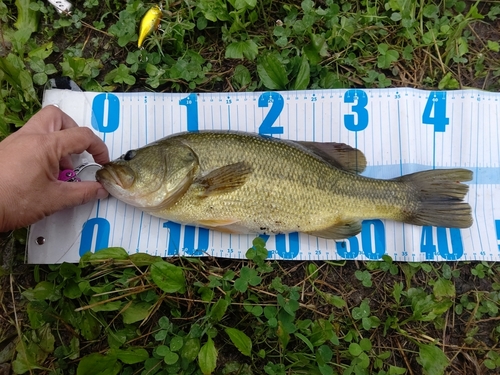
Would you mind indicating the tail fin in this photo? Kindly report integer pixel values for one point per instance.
(441, 195)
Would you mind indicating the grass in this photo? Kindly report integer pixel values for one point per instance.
(115, 313)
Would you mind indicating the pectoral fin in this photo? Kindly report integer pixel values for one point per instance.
(339, 231)
(224, 179)
(339, 155)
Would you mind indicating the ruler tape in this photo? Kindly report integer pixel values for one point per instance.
(399, 130)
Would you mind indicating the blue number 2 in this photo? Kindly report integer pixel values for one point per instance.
(435, 111)
(293, 245)
(361, 99)
(277, 103)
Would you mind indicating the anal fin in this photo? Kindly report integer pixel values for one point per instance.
(339, 231)
(223, 225)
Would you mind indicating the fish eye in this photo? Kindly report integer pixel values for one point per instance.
(129, 155)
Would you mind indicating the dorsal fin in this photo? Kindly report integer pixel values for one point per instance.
(339, 155)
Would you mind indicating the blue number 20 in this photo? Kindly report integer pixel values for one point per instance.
(293, 245)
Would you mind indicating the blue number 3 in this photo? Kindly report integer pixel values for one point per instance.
(361, 99)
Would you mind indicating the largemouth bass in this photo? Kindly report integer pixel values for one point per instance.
(246, 183)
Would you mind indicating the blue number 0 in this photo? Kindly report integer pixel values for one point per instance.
(378, 239)
(293, 245)
(277, 103)
(361, 99)
(100, 104)
(99, 225)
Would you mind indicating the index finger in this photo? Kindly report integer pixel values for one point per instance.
(79, 139)
(48, 120)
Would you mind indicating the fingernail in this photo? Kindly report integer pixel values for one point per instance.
(102, 193)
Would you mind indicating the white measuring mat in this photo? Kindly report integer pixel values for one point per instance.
(400, 131)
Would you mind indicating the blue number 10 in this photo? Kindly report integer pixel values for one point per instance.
(189, 247)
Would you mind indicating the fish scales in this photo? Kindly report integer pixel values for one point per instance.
(245, 183)
(284, 192)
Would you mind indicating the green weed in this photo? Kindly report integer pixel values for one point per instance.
(114, 313)
(236, 45)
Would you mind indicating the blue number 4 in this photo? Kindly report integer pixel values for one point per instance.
(435, 111)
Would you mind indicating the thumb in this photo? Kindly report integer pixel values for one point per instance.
(78, 193)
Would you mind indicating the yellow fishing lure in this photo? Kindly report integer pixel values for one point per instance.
(149, 23)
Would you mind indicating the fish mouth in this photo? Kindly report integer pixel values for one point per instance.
(119, 175)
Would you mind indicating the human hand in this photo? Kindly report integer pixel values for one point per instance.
(30, 161)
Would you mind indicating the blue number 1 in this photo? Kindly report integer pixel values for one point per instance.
(191, 103)
(436, 103)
